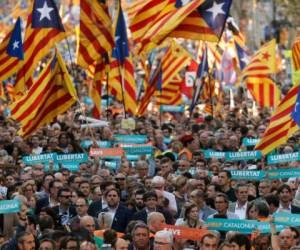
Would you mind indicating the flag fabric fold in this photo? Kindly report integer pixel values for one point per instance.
(51, 94)
(283, 123)
(264, 91)
(44, 29)
(263, 62)
(11, 52)
(95, 35)
(121, 75)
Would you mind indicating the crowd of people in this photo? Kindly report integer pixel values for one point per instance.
(129, 204)
(126, 206)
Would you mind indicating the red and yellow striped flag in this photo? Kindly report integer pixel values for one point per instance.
(264, 91)
(173, 61)
(170, 92)
(263, 62)
(121, 75)
(10, 91)
(282, 125)
(134, 7)
(95, 87)
(296, 53)
(43, 31)
(165, 25)
(52, 94)
(10, 61)
(2, 92)
(95, 35)
(148, 15)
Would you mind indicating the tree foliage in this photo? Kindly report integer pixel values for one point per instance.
(290, 10)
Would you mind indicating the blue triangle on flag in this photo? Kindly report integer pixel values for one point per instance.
(15, 45)
(45, 15)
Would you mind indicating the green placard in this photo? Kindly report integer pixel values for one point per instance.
(243, 155)
(282, 158)
(9, 206)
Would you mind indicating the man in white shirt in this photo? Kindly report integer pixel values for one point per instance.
(240, 206)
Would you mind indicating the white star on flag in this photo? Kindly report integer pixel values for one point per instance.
(245, 60)
(15, 45)
(216, 9)
(45, 12)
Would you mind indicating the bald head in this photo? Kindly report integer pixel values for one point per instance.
(88, 223)
(155, 220)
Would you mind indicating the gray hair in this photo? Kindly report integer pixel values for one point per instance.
(165, 234)
(158, 180)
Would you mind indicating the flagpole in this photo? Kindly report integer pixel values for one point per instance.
(80, 108)
(107, 82)
(210, 94)
(122, 88)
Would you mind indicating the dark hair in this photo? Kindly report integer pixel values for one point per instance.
(208, 235)
(20, 236)
(63, 190)
(272, 199)
(239, 185)
(296, 231)
(83, 182)
(53, 243)
(72, 178)
(284, 186)
(139, 225)
(139, 192)
(187, 209)
(241, 240)
(224, 196)
(64, 241)
(228, 173)
(109, 236)
(46, 222)
(149, 194)
(46, 175)
(105, 184)
(113, 189)
(262, 208)
(51, 183)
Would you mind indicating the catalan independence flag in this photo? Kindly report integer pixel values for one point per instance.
(205, 23)
(44, 29)
(95, 87)
(95, 36)
(296, 53)
(263, 62)
(52, 94)
(284, 122)
(163, 27)
(11, 52)
(150, 91)
(2, 92)
(264, 91)
(121, 75)
(170, 94)
(144, 18)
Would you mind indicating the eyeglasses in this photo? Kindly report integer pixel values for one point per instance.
(120, 179)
